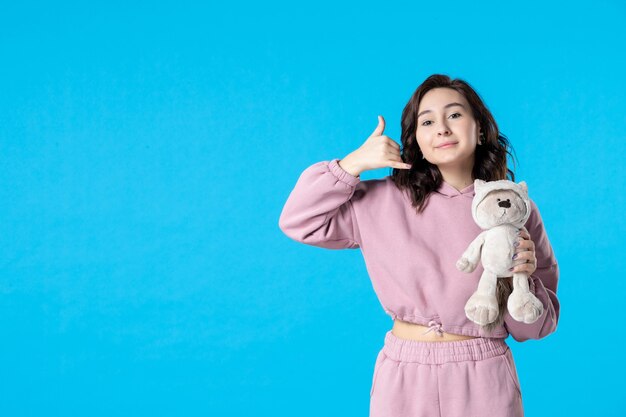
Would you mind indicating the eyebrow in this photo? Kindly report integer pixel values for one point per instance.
(445, 107)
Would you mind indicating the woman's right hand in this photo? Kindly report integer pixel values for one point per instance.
(378, 151)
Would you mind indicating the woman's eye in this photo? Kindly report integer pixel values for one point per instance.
(428, 121)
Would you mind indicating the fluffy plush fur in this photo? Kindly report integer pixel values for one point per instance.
(500, 208)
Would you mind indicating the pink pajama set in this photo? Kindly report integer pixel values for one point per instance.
(411, 262)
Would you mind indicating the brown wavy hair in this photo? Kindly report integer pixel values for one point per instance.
(490, 159)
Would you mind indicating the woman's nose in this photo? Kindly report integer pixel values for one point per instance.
(443, 130)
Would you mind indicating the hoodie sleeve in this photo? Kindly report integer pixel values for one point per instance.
(543, 283)
(319, 210)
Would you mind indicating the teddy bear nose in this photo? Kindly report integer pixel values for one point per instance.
(505, 204)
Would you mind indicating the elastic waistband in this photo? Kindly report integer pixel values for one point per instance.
(404, 350)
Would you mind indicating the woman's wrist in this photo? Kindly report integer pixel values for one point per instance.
(348, 165)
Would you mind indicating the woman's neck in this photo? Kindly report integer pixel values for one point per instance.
(459, 179)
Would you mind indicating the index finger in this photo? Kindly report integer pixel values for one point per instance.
(393, 143)
(524, 233)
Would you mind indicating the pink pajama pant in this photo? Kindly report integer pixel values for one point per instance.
(463, 378)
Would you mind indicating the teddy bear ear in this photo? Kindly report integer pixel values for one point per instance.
(523, 185)
(478, 183)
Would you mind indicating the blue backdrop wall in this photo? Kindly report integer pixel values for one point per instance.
(147, 150)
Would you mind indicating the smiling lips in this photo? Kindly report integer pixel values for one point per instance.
(447, 144)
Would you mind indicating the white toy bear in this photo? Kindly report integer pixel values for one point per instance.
(500, 208)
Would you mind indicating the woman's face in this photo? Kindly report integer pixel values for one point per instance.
(440, 121)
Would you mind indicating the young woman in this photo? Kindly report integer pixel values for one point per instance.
(412, 227)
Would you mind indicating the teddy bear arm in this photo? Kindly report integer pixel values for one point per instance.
(473, 251)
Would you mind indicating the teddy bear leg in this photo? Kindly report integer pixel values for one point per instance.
(482, 306)
(522, 304)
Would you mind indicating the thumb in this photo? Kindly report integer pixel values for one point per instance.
(380, 128)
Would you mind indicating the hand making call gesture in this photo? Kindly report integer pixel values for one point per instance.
(378, 151)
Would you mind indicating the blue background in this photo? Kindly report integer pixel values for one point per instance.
(147, 150)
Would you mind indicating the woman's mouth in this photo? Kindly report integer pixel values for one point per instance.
(447, 145)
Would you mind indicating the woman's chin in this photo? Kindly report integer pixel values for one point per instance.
(452, 160)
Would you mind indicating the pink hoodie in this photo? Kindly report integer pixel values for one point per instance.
(411, 258)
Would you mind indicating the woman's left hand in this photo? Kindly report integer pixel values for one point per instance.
(525, 253)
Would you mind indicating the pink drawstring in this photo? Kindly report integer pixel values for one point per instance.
(434, 326)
